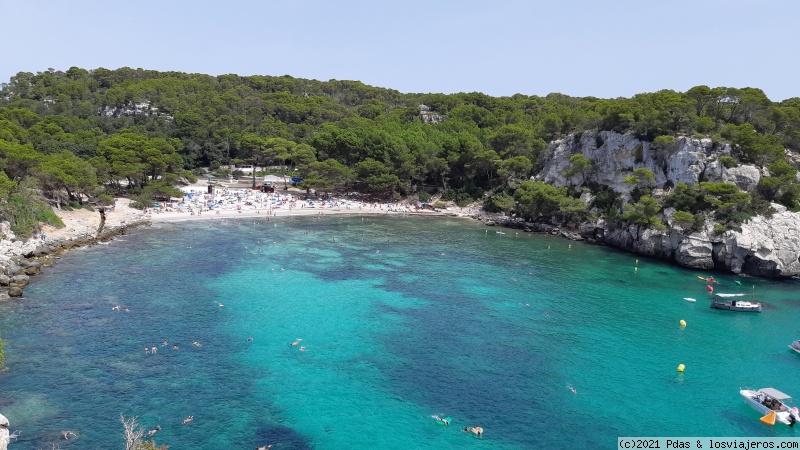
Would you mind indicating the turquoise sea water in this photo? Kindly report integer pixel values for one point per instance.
(401, 319)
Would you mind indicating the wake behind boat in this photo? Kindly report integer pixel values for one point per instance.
(766, 400)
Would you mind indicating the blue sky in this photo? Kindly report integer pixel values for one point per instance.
(612, 48)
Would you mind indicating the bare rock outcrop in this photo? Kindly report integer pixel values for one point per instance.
(616, 155)
(695, 251)
(766, 246)
(4, 432)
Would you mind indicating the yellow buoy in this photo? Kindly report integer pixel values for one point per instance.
(683, 323)
(681, 367)
(769, 419)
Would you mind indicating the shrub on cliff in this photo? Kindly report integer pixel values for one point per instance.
(644, 212)
(2, 356)
(24, 212)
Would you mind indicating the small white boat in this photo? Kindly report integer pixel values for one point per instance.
(499, 232)
(795, 346)
(724, 301)
(689, 299)
(766, 400)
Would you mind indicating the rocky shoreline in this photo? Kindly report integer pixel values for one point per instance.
(20, 259)
(767, 248)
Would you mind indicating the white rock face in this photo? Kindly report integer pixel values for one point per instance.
(765, 247)
(3, 432)
(695, 252)
(768, 247)
(689, 161)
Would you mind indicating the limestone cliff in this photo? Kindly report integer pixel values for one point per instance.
(3, 432)
(766, 246)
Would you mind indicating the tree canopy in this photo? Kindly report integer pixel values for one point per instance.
(79, 134)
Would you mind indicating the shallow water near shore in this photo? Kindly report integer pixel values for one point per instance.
(401, 318)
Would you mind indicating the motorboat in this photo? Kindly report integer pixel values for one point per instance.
(730, 302)
(766, 400)
(795, 346)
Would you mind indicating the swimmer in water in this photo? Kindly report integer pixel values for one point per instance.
(153, 431)
(477, 431)
(441, 419)
(249, 339)
(574, 391)
(67, 434)
(296, 342)
(302, 348)
(188, 420)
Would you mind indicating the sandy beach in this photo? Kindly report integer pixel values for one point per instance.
(240, 203)
(225, 203)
